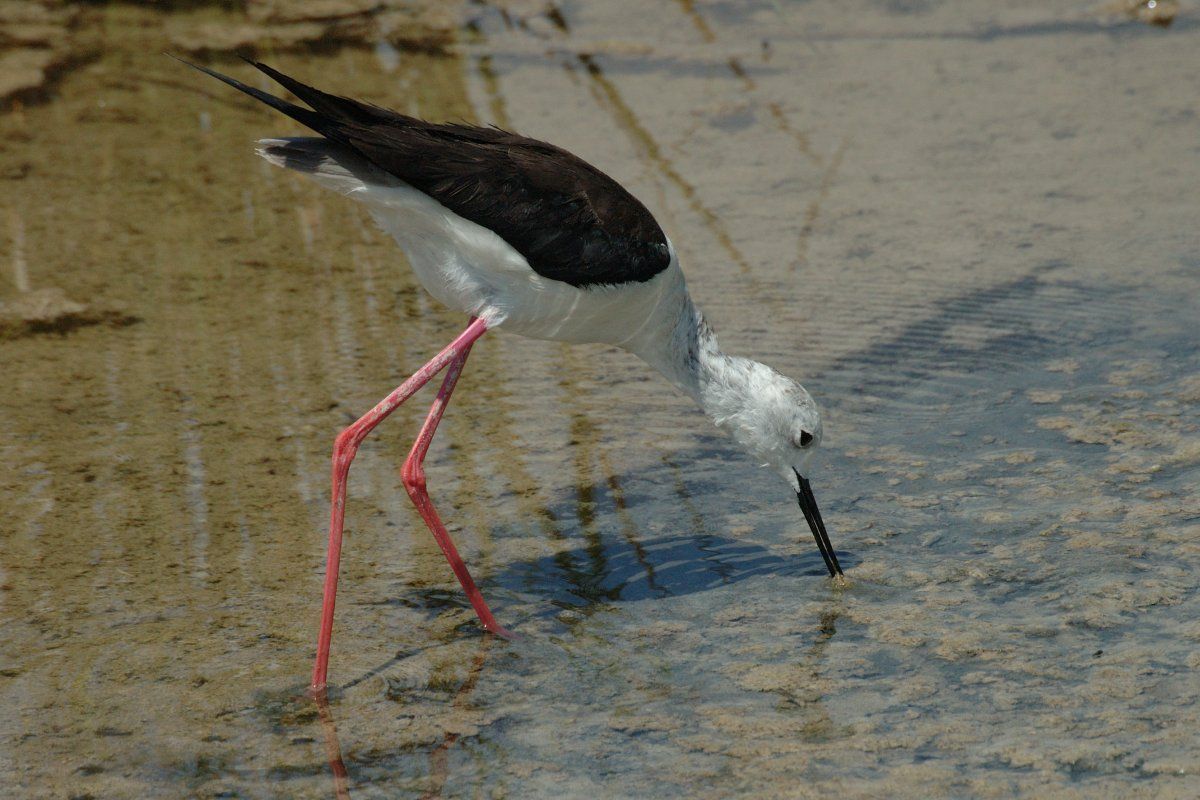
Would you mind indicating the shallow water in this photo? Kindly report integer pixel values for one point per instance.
(969, 229)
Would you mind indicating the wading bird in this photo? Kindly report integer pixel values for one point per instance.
(520, 234)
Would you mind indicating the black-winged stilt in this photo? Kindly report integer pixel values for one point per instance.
(522, 234)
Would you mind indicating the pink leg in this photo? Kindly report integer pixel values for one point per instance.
(413, 475)
(344, 449)
(333, 749)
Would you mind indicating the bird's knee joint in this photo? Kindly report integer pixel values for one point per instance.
(413, 477)
(345, 445)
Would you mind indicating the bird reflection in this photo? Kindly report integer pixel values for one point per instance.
(439, 756)
(333, 748)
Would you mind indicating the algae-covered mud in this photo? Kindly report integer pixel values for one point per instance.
(969, 228)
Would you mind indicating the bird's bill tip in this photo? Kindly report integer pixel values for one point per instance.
(812, 515)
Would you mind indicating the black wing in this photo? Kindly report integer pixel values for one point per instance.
(570, 221)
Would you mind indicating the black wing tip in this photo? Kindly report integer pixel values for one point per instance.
(184, 61)
(234, 82)
(304, 116)
(270, 72)
(265, 69)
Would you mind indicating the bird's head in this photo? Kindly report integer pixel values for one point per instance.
(777, 422)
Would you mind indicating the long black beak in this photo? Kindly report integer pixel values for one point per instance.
(808, 504)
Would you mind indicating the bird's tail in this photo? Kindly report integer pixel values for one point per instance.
(330, 164)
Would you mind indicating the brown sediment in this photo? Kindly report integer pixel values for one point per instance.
(748, 83)
(39, 43)
(42, 41)
(651, 151)
(496, 109)
(414, 25)
(813, 210)
(801, 140)
(186, 448)
(629, 528)
(1152, 12)
(697, 19)
(50, 311)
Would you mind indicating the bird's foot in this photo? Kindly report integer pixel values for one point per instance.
(499, 630)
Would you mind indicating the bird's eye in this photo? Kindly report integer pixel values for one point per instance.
(804, 440)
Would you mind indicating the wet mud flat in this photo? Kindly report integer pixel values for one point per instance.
(967, 228)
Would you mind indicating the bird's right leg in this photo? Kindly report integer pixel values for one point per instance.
(344, 449)
(413, 475)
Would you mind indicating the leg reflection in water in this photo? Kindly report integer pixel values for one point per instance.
(439, 760)
(333, 748)
(439, 757)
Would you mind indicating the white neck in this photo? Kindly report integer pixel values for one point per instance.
(681, 345)
(763, 411)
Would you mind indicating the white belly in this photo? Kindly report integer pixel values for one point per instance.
(470, 268)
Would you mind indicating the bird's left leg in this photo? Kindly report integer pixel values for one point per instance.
(344, 448)
(413, 475)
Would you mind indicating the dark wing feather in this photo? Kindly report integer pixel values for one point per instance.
(570, 221)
